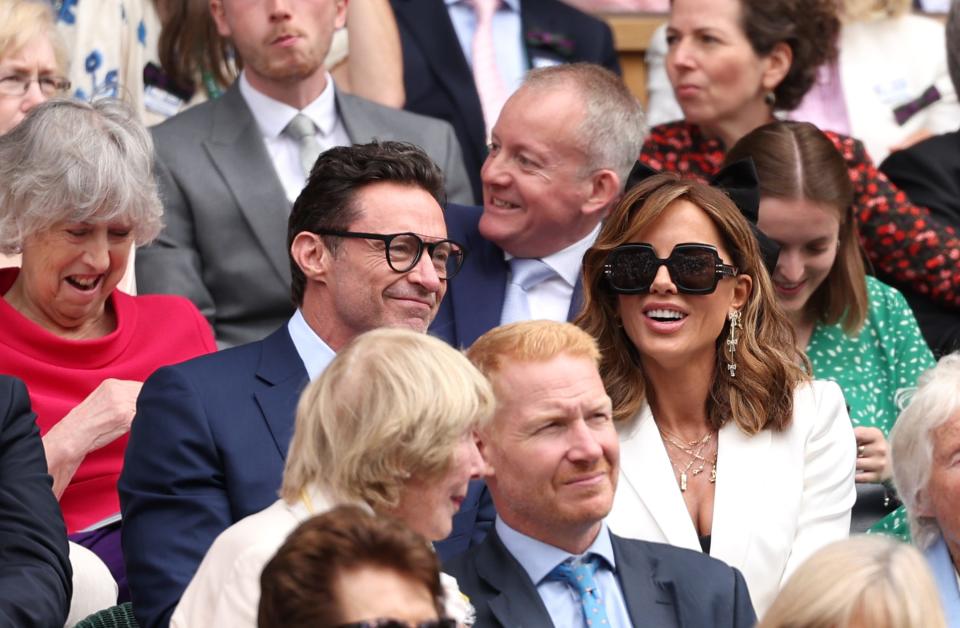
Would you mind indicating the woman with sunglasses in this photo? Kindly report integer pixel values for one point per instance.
(856, 330)
(727, 447)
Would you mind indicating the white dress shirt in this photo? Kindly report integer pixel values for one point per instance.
(315, 353)
(273, 116)
(550, 299)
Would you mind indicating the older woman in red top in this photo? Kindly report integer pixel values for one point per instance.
(732, 63)
(76, 192)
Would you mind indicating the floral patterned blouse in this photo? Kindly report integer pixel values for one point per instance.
(903, 241)
(886, 357)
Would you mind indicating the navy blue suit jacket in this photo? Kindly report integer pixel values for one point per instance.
(474, 300)
(206, 449)
(439, 82)
(35, 573)
(663, 586)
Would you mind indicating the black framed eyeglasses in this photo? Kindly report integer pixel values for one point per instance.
(693, 268)
(19, 84)
(396, 623)
(403, 250)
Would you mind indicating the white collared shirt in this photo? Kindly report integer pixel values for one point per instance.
(550, 299)
(313, 351)
(273, 116)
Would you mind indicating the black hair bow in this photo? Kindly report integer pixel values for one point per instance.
(739, 181)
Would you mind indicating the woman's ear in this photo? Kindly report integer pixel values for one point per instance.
(742, 290)
(777, 65)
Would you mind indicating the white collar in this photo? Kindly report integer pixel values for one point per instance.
(567, 262)
(273, 116)
(313, 351)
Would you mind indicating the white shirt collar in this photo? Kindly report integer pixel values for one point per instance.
(567, 262)
(273, 116)
(314, 352)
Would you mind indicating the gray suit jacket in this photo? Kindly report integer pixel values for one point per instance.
(663, 586)
(224, 244)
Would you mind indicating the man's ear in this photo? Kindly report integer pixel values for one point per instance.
(219, 15)
(482, 438)
(311, 255)
(603, 192)
(341, 19)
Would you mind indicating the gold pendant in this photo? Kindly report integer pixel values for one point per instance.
(683, 481)
(713, 474)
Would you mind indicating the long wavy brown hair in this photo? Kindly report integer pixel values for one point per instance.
(769, 366)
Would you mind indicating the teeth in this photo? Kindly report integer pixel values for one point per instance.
(84, 283)
(667, 314)
(502, 204)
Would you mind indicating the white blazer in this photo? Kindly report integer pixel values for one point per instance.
(779, 497)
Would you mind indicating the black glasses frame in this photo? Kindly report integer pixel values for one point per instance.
(721, 270)
(458, 251)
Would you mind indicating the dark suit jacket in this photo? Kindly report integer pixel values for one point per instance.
(663, 586)
(35, 573)
(224, 245)
(474, 300)
(929, 172)
(439, 82)
(206, 449)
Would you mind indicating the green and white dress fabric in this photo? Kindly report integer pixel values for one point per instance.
(885, 358)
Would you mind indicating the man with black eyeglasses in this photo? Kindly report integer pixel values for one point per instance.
(367, 248)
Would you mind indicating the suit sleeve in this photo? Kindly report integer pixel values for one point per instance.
(456, 182)
(35, 573)
(926, 183)
(743, 613)
(172, 494)
(172, 264)
(828, 486)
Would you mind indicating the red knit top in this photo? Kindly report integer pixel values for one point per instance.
(152, 331)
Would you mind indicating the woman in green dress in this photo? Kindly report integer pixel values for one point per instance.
(856, 330)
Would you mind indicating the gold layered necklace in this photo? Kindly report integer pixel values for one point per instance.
(694, 451)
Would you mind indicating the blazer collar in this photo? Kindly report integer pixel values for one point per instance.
(646, 591)
(281, 368)
(477, 293)
(236, 148)
(518, 603)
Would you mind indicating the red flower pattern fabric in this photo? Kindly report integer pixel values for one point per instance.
(902, 240)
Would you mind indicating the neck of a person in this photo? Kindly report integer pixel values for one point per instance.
(678, 393)
(803, 322)
(575, 538)
(297, 93)
(93, 326)
(729, 130)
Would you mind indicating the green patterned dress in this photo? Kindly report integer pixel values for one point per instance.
(885, 358)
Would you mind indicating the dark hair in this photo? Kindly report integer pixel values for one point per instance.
(795, 160)
(190, 45)
(298, 587)
(339, 173)
(809, 27)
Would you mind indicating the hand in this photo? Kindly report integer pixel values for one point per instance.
(101, 418)
(873, 455)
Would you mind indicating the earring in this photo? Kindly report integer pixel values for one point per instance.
(770, 99)
(732, 338)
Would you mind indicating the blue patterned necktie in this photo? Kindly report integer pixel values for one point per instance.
(525, 273)
(579, 575)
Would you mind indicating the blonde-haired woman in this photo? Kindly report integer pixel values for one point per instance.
(871, 581)
(726, 446)
(388, 425)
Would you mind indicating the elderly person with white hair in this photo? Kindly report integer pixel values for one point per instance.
(76, 192)
(925, 449)
(389, 426)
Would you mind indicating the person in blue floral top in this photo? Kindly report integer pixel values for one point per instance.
(856, 330)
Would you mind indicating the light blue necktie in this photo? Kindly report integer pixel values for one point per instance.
(579, 575)
(525, 273)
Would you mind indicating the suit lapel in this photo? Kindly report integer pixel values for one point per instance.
(518, 604)
(646, 470)
(236, 148)
(429, 22)
(479, 291)
(646, 592)
(282, 370)
(739, 492)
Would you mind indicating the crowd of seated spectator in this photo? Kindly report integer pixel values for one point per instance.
(506, 354)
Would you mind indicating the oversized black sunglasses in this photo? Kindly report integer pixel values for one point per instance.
(403, 250)
(693, 268)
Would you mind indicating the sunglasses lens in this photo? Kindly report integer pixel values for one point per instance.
(632, 268)
(694, 268)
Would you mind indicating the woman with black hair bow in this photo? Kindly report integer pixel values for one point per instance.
(726, 445)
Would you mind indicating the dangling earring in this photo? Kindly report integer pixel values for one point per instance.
(770, 99)
(732, 338)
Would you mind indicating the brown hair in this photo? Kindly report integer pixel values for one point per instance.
(190, 45)
(809, 27)
(298, 587)
(768, 364)
(795, 160)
